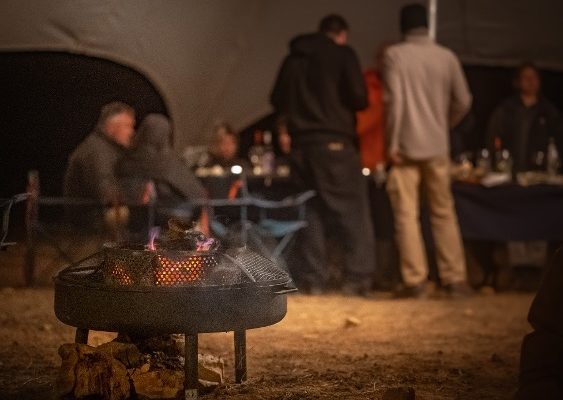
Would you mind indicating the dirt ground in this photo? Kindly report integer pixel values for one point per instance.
(457, 349)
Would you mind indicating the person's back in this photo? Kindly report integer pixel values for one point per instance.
(153, 159)
(427, 93)
(431, 95)
(319, 87)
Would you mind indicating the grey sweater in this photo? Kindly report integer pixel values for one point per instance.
(426, 94)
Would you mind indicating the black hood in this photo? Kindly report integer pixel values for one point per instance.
(308, 43)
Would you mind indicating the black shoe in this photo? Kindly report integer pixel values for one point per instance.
(411, 292)
(357, 289)
(458, 290)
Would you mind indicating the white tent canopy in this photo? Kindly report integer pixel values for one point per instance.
(217, 59)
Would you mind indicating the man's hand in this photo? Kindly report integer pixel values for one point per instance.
(395, 158)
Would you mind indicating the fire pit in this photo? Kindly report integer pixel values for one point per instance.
(160, 290)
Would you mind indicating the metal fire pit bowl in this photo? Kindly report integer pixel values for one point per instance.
(129, 289)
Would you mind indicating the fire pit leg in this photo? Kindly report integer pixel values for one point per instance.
(240, 356)
(81, 336)
(191, 367)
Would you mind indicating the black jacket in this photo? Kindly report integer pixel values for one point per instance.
(525, 130)
(319, 87)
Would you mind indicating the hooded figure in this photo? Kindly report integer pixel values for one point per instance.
(318, 90)
(152, 159)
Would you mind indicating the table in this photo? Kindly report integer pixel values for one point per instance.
(503, 213)
(509, 212)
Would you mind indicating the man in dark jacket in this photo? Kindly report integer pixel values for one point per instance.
(525, 122)
(319, 88)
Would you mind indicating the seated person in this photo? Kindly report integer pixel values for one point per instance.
(152, 161)
(525, 122)
(91, 167)
(223, 149)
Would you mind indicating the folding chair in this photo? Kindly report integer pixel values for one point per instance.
(256, 234)
(280, 229)
(6, 207)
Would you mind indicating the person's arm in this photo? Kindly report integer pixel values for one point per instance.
(460, 102)
(393, 105)
(354, 84)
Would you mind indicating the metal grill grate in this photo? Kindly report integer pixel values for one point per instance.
(173, 271)
(260, 268)
(120, 276)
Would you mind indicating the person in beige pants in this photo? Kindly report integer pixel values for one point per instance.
(426, 94)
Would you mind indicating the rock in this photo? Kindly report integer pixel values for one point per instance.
(158, 384)
(468, 312)
(351, 322)
(127, 353)
(400, 393)
(86, 372)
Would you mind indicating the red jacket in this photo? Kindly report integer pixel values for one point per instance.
(370, 123)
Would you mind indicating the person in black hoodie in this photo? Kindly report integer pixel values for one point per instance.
(318, 89)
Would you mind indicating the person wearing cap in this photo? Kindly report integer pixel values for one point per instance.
(426, 95)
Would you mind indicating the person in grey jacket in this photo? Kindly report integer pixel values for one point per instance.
(426, 95)
(91, 167)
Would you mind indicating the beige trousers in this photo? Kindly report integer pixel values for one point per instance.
(405, 184)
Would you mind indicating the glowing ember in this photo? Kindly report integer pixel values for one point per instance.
(176, 272)
(120, 275)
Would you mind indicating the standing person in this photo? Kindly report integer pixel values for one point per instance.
(319, 88)
(371, 122)
(427, 94)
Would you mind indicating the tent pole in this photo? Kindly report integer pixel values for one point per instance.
(432, 17)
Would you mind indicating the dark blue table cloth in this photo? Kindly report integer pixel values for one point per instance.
(509, 212)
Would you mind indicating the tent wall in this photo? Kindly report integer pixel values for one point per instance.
(503, 32)
(209, 59)
(217, 59)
